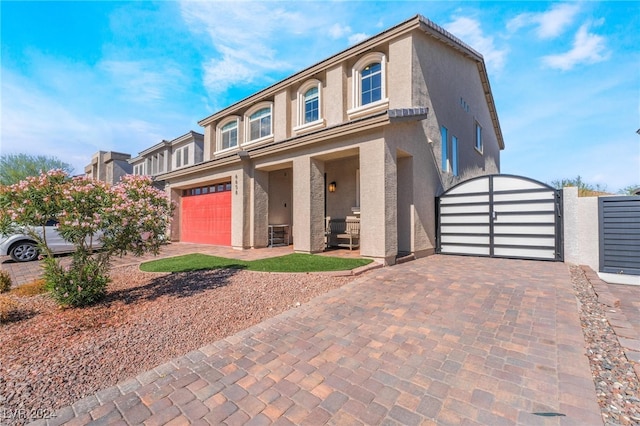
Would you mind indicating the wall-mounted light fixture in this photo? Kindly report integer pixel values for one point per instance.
(332, 186)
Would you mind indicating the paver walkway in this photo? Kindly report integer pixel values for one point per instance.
(441, 340)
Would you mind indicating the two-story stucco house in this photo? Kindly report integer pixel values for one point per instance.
(108, 166)
(163, 157)
(376, 131)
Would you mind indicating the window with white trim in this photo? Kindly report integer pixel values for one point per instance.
(138, 169)
(310, 106)
(454, 155)
(369, 84)
(228, 135)
(449, 152)
(259, 123)
(181, 156)
(478, 144)
(444, 135)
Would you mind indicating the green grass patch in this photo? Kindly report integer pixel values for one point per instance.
(299, 262)
(296, 262)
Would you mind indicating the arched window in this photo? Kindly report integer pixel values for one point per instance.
(309, 106)
(369, 92)
(228, 134)
(371, 83)
(259, 123)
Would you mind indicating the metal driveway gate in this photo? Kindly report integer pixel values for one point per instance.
(501, 216)
(619, 234)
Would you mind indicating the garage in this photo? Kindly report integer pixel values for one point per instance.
(206, 214)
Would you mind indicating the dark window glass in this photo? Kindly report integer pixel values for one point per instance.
(371, 83)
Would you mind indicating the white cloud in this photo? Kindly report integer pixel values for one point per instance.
(587, 48)
(36, 121)
(241, 34)
(469, 31)
(551, 23)
(141, 81)
(339, 31)
(357, 38)
(224, 73)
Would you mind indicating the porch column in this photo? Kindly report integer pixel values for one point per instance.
(308, 201)
(175, 195)
(260, 209)
(378, 202)
(241, 206)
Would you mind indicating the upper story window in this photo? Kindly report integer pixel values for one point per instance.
(309, 106)
(228, 135)
(138, 169)
(371, 83)
(454, 155)
(260, 123)
(369, 92)
(181, 156)
(444, 136)
(478, 144)
(449, 152)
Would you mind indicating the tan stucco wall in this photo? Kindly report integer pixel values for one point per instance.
(399, 76)
(281, 197)
(308, 216)
(441, 80)
(581, 238)
(334, 106)
(259, 202)
(281, 118)
(343, 172)
(378, 183)
(418, 185)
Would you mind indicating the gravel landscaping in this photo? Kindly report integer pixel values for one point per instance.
(54, 357)
(616, 383)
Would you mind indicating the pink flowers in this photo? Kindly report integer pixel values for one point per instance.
(131, 216)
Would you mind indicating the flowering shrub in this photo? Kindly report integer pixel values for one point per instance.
(83, 283)
(131, 216)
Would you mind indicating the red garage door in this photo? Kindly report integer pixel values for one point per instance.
(206, 215)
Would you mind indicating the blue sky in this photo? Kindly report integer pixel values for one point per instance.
(78, 77)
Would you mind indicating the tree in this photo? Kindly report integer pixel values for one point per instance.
(584, 188)
(629, 190)
(131, 216)
(17, 167)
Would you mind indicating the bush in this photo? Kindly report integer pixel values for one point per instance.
(5, 281)
(8, 309)
(30, 289)
(131, 216)
(83, 283)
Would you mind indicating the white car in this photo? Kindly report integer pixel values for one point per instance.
(23, 248)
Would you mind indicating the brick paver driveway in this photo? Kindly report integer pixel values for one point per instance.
(441, 340)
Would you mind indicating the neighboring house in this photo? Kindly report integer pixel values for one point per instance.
(108, 166)
(388, 124)
(167, 156)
